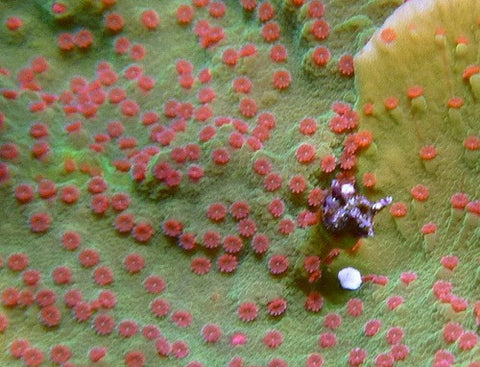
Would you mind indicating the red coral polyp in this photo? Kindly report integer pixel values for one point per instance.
(40, 222)
(247, 311)
(50, 316)
(305, 153)
(227, 263)
(143, 232)
(154, 284)
(277, 306)
(172, 227)
(278, 264)
(211, 333)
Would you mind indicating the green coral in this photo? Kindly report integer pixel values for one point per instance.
(427, 52)
(215, 296)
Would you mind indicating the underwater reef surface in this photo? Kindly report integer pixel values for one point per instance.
(163, 166)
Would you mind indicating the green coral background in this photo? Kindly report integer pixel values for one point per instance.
(213, 298)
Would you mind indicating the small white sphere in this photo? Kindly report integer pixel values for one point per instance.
(347, 189)
(350, 278)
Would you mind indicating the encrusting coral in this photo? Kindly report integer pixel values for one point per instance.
(420, 102)
(163, 167)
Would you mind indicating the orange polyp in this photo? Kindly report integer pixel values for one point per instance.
(308, 126)
(429, 228)
(321, 55)
(14, 23)
(39, 65)
(391, 103)
(271, 32)
(363, 139)
(298, 2)
(185, 14)
(230, 56)
(122, 165)
(388, 35)
(66, 41)
(369, 180)
(58, 8)
(108, 2)
(470, 70)
(248, 49)
(420, 192)
(122, 45)
(320, 29)
(137, 52)
(368, 109)
(328, 163)
(398, 209)
(346, 65)
(9, 94)
(428, 152)
(200, 3)
(440, 31)
(242, 84)
(114, 22)
(282, 79)
(265, 12)
(249, 5)
(150, 19)
(278, 53)
(455, 102)
(472, 142)
(415, 91)
(462, 40)
(316, 9)
(83, 39)
(217, 9)
(248, 107)
(348, 161)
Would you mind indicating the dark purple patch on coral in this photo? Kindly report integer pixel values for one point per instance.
(347, 212)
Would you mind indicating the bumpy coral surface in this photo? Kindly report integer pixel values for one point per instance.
(421, 105)
(163, 165)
